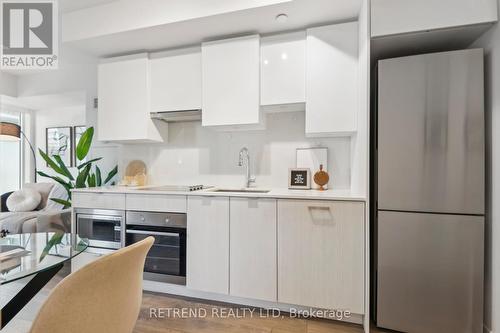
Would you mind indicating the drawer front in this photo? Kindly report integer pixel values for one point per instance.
(157, 203)
(99, 200)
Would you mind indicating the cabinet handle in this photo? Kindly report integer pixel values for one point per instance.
(321, 215)
(155, 233)
(99, 217)
(318, 207)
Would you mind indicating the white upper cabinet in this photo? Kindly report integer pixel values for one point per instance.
(332, 80)
(123, 91)
(230, 76)
(389, 17)
(283, 69)
(176, 80)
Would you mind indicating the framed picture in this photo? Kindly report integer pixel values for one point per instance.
(59, 142)
(77, 134)
(299, 178)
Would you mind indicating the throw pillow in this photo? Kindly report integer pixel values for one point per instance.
(25, 200)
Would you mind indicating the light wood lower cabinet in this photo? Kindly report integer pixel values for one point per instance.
(156, 203)
(97, 200)
(321, 254)
(302, 252)
(253, 265)
(208, 244)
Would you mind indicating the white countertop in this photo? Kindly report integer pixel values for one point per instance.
(283, 193)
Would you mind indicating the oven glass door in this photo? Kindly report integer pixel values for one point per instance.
(167, 255)
(102, 231)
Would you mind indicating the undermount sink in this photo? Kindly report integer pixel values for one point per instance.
(241, 190)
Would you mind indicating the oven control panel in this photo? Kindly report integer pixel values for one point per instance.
(174, 220)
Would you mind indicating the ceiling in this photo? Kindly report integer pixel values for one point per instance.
(54, 101)
(66, 6)
(184, 31)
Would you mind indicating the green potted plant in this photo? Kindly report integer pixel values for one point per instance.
(89, 175)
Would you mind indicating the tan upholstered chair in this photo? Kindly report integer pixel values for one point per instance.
(103, 297)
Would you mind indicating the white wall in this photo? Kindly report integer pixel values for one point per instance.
(193, 154)
(10, 156)
(76, 75)
(58, 117)
(77, 72)
(9, 168)
(8, 84)
(359, 149)
(360, 164)
(490, 41)
(200, 155)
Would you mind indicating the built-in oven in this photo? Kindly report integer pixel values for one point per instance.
(102, 227)
(166, 261)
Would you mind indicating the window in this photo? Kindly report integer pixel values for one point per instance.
(10, 157)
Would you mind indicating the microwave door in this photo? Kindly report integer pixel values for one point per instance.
(101, 231)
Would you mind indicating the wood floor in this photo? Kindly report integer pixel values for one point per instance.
(247, 323)
(148, 323)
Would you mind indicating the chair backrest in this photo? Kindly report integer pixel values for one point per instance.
(104, 296)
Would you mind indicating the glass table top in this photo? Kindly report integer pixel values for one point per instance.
(23, 255)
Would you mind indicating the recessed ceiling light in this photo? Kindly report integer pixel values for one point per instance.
(281, 18)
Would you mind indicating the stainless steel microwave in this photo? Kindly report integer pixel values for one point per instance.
(102, 227)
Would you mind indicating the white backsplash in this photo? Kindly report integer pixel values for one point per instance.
(197, 155)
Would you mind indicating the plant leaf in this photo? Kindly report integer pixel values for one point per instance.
(91, 180)
(83, 165)
(53, 165)
(82, 177)
(111, 174)
(56, 226)
(54, 240)
(81, 246)
(63, 167)
(98, 179)
(67, 185)
(84, 144)
(65, 203)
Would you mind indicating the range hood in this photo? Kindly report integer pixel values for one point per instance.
(176, 116)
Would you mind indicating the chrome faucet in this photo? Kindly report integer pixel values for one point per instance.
(244, 152)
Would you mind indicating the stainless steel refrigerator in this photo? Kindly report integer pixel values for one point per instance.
(430, 189)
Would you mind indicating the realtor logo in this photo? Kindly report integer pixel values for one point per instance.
(29, 34)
